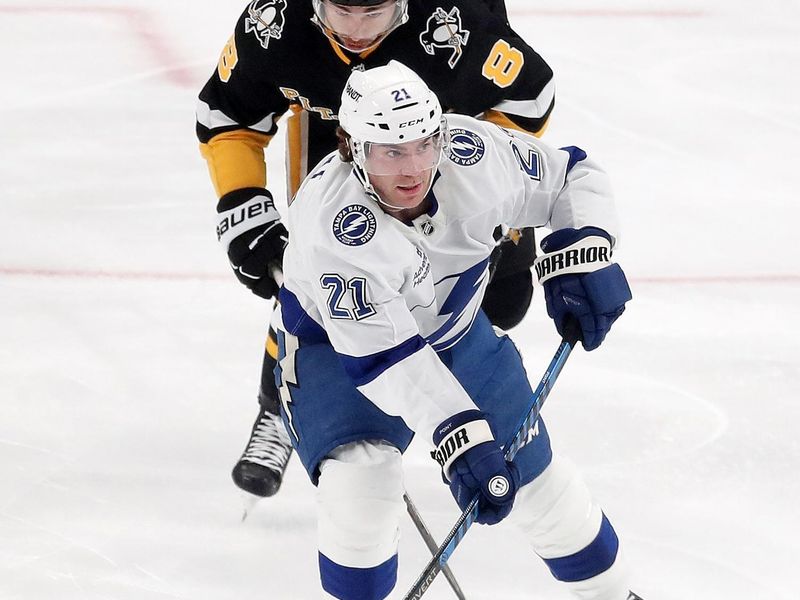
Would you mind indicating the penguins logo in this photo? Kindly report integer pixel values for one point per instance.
(265, 19)
(444, 30)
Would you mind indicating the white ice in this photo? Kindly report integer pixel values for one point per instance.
(129, 355)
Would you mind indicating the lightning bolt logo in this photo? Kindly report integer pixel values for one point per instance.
(288, 345)
(354, 225)
(463, 291)
(462, 146)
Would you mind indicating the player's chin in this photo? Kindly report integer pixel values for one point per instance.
(358, 45)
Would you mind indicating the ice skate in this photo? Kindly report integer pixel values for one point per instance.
(260, 469)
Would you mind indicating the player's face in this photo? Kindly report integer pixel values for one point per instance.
(401, 173)
(359, 27)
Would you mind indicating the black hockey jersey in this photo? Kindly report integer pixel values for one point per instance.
(278, 60)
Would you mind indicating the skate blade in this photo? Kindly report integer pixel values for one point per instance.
(249, 502)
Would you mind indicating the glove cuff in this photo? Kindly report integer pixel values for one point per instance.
(457, 435)
(243, 210)
(586, 255)
(238, 197)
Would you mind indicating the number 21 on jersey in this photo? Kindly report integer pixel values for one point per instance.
(337, 303)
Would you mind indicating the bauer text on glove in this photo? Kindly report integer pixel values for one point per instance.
(250, 230)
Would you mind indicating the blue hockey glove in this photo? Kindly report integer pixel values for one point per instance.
(250, 230)
(473, 462)
(581, 282)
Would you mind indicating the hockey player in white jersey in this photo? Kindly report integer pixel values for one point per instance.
(383, 338)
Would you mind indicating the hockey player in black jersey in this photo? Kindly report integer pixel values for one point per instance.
(295, 56)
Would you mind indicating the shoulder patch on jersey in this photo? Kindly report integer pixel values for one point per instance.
(265, 19)
(355, 225)
(466, 147)
(444, 31)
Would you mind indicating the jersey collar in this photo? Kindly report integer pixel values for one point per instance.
(434, 220)
(346, 59)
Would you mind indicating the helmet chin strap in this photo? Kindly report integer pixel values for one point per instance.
(363, 177)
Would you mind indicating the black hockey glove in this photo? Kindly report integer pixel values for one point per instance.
(250, 230)
(581, 282)
(472, 462)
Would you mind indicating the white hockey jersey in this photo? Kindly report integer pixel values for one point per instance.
(389, 295)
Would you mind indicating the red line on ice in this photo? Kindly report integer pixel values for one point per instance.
(101, 274)
(143, 26)
(776, 278)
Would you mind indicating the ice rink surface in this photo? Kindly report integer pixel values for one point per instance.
(129, 354)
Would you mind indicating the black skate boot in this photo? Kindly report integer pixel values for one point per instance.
(260, 469)
(263, 462)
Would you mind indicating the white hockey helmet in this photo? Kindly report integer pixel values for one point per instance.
(391, 106)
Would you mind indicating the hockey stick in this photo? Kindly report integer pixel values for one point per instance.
(470, 513)
(431, 544)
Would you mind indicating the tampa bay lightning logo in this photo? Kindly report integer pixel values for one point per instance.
(466, 147)
(355, 225)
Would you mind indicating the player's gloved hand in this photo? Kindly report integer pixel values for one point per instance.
(472, 462)
(250, 230)
(581, 282)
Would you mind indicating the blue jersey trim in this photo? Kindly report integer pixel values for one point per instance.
(594, 559)
(432, 197)
(297, 321)
(372, 583)
(363, 369)
(454, 339)
(576, 155)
